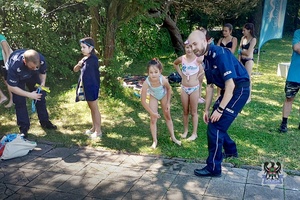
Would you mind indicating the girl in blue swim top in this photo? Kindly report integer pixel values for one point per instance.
(160, 90)
(190, 73)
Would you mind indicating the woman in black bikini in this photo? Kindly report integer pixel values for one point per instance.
(246, 49)
(228, 41)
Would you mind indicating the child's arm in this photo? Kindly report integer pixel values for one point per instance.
(234, 45)
(176, 64)
(169, 90)
(78, 66)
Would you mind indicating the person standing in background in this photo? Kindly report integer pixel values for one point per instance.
(292, 84)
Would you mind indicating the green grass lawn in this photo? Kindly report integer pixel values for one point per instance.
(126, 124)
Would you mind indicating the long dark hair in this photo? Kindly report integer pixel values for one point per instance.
(250, 26)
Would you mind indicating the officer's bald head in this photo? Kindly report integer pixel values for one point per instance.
(198, 42)
(32, 56)
(32, 59)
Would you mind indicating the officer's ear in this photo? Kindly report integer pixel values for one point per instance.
(24, 61)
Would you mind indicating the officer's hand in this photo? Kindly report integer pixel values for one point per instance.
(215, 116)
(36, 96)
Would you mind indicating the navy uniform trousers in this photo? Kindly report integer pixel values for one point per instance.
(21, 108)
(217, 135)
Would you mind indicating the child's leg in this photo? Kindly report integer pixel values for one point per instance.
(10, 103)
(168, 119)
(96, 117)
(3, 98)
(194, 112)
(185, 106)
(153, 104)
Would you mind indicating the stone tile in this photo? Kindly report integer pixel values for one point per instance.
(167, 166)
(292, 194)
(156, 179)
(189, 184)
(99, 170)
(291, 182)
(79, 158)
(219, 187)
(146, 192)
(110, 158)
(66, 168)
(41, 163)
(41, 149)
(235, 175)
(261, 193)
(80, 185)
(216, 198)
(63, 195)
(123, 174)
(138, 161)
(49, 180)
(17, 162)
(60, 152)
(19, 176)
(181, 195)
(254, 177)
(27, 193)
(106, 190)
(7, 190)
(188, 168)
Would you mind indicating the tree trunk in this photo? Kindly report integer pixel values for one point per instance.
(175, 35)
(95, 26)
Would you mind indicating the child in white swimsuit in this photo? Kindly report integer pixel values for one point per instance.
(160, 90)
(191, 71)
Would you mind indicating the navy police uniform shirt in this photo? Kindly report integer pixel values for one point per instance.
(17, 70)
(221, 65)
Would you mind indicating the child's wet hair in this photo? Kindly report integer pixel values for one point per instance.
(156, 63)
(89, 42)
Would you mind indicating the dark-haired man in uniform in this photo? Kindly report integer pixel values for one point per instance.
(27, 68)
(226, 72)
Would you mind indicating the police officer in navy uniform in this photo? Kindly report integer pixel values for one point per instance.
(226, 72)
(28, 68)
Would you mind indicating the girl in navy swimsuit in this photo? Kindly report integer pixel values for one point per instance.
(90, 79)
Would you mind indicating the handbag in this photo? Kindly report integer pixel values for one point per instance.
(16, 146)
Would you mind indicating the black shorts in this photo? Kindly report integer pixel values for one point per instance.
(291, 89)
(3, 70)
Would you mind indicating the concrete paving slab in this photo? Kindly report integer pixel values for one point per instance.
(66, 168)
(220, 188)
(18, 162)
(62, 196)
(292, 194)
(60, 152)
(156, 178)
(79, 185)
(292, 182)
(138, 161)
(258, 192)
(189, 184)
(7, 190)
(188, 168)
(41, 163)
(110, 158)
(253, 177)
(49, 180)
(27, 193)
(166, 166)
(99, 170)
(111, 190)
(235, 175)
(41, 149)
(146, 192)
(124, 173)
(181, 195)
(18, 177)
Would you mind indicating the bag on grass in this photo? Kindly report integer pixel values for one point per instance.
(174, 77)
(16, 146)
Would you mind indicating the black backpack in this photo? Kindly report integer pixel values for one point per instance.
(174, 77)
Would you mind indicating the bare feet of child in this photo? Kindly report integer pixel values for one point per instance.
(183, 135)
(154, 144)
(177, 141)
(192, 137)
(10, 104)
(3, 99)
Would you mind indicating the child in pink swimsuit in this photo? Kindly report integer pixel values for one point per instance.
(191, 71)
